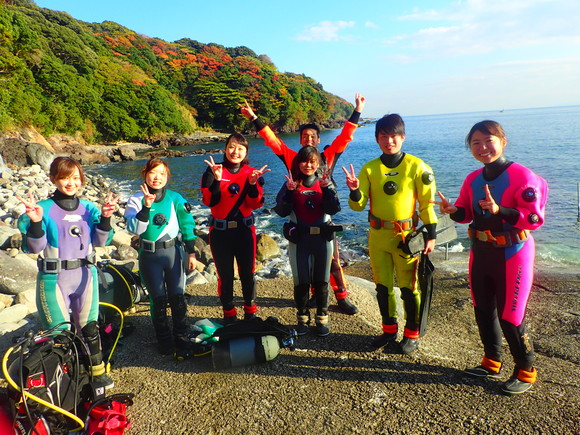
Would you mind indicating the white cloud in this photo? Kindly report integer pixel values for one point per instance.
(326, 31)
(371, 25)
(485, 26)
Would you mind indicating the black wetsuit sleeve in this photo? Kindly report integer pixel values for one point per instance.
(510, 215)
(189, 246)
(459, 215)
(355, 195)
(253, 190)
(105, 224)
(431, 231)
(284, 201)
(258, 124)
(35, 230)
(330, 200)
(143, 214)
(355, 117)
(208, 181)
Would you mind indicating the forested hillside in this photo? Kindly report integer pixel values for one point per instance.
(109, 83)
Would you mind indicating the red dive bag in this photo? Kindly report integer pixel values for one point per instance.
(108, 416)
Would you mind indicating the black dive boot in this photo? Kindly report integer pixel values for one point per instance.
(321, 292)
(161, 325)
(389, 324)
(302, 322)
(411, 302)
(101, 380)
(346, 306)
(183, 344)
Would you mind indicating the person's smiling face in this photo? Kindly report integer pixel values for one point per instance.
(235, 152)
(485, 147)
(156, 178)
(309, 167)
(69, 185)
(390, 143)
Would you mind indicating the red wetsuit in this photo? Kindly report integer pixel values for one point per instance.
(330, 156)
(232, 232)
(309, 207)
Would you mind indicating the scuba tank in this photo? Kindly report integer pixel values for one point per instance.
(244, 351)
(251, 341)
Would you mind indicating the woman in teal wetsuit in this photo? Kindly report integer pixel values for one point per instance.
(162, 220)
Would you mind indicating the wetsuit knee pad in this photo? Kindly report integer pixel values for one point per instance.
(178, 313)
(93, 340)
(407, 294)
(90, 330)
(159, 312)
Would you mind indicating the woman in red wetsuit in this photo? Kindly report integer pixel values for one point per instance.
(233, 190)
(309, 201)
(502, 202)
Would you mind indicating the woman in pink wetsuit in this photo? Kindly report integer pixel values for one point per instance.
(502, 202)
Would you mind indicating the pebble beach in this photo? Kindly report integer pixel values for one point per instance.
(338, 384)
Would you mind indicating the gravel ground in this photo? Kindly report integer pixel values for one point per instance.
(339, 385)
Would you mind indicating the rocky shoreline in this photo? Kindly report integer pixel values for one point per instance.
(26, 146)
(18, 270)
(329, 385)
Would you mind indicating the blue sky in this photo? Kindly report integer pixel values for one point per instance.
(411, 57)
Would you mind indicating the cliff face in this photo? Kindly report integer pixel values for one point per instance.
(110, 83)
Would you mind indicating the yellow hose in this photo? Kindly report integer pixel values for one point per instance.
(37, 399)
(108, 365)
(125, 281)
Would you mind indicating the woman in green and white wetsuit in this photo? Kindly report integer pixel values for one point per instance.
(162, 220)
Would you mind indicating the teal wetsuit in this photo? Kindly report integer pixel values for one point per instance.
(161, 255)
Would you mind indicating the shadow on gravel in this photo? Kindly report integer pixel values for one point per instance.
(213, 301)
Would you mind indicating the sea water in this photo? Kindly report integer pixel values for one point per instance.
(542, 139)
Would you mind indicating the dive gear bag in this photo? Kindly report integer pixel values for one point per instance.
(48, 381)
(50, 389)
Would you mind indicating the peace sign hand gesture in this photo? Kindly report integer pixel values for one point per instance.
(445, 207)
(109, 205)
(325, 178)
(247, 111)
(359, 102)
(257, 173)
(290, 183)
(33, 210)
(215, 168)
(351, 179)
(488, 203)
(148, 198)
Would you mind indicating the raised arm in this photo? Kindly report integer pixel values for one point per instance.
(279, 148)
